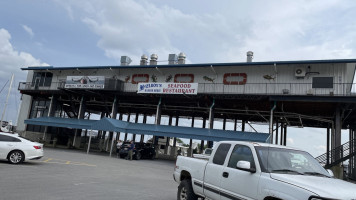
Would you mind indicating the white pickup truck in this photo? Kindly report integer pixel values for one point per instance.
(247, 170)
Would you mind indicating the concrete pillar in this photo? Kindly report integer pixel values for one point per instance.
(128, 120)
(337, 139)
(168, 138)
(136, 120)
(235, 124)
(81, 113)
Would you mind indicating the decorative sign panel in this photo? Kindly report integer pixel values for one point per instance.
(168, 88)
(85, 82)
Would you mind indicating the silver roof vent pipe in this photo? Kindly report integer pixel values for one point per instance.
(181, 58)
(154, 58)
(125, 60)
(172, 59)
(249, 56)
(144, 60)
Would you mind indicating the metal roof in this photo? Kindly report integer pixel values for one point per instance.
(61, 122)
(107, 124)
(196, 65)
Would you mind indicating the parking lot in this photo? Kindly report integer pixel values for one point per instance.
(72, 174)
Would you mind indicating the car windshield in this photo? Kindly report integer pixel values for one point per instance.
(288, 161)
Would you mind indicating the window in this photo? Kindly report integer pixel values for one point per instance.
(239, 153)
(42, 79)
(221, 154)
(323, 82)
(5, 138)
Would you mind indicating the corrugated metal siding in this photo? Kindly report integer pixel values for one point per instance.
(284, 79)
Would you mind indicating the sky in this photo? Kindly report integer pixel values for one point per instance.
(64, 33)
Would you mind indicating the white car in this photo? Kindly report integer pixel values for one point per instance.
(16, 149)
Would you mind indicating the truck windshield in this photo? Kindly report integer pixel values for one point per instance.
(288, 161)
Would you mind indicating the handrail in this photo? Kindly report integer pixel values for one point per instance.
(339, 89)
(338, 154)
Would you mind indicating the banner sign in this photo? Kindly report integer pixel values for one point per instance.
(85, 82)
(168, 88)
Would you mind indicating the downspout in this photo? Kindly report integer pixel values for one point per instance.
(271, 123)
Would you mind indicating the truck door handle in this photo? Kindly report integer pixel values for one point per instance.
(225, 174)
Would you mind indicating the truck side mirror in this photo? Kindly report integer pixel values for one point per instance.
(245, 166)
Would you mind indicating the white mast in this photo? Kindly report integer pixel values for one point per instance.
(7, 98)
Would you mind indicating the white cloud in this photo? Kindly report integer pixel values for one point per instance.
(28, 30)
(276, 30)
(11, 61)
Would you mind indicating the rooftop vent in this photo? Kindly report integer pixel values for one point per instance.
(143, 60)
(249, 56)
(154, 58)
(172, 59)
(125, 60)
(181, 58)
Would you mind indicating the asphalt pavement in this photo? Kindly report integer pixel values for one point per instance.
(72, 174)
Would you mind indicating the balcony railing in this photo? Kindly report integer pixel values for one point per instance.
(339, 89)
(110, 84)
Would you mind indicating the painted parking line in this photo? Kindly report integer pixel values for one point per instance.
(66, 162)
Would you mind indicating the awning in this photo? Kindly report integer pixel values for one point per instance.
(108, 124)
(61, 122)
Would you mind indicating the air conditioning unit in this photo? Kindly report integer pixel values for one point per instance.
(300, 72)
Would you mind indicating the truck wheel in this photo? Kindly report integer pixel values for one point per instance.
(185, 191)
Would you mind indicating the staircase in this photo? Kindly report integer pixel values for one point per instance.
(338, 154)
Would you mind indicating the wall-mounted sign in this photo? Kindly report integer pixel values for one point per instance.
(85, 82)
(168, 88)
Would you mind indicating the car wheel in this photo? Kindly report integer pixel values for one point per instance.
(185, 191)
(138, 156)
(16, 157)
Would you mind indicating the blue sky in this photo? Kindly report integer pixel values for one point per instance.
(94, 32)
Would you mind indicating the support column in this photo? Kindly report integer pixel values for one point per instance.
(128, 120)
(337, 138)
(224, 123)
(174, 148)
(282, 133)
(211, 122)
(51, 110)
(285, 135)
(202, 142)
(243, 123)
(144, 122)
(168, 138)
(113, 116)
(271, 122)
(118, 133)
(235, 124)
(190, 150)
(157, 122)
(277, 127)
(328, 145)
(80, 116)
(136, 120)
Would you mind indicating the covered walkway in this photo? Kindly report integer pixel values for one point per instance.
(114, 125)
